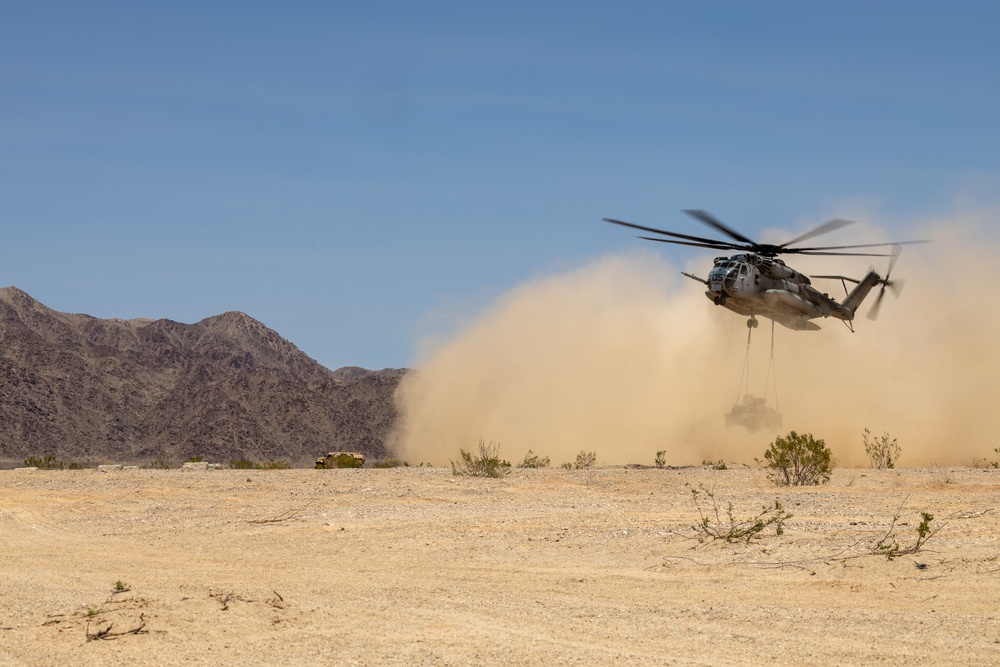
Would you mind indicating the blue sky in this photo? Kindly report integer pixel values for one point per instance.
(343, 171)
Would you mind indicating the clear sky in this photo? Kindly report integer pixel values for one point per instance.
(342, 171)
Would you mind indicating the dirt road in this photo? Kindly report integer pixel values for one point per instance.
(416, 566)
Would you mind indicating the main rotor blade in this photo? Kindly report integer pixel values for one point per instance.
(717, 246)
(825, 228)
(862, 245)
(837, 254)
(896, 249)
(715, 224)
(664, 232)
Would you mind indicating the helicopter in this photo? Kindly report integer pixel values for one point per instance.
(755, 282)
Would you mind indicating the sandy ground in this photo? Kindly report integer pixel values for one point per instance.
(416, 566)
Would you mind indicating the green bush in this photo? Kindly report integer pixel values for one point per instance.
(345, 460)
(247, 464)
(532, 460)
(487, 464)
(715, 465)
(47, 462)
(661, 459)
(798, 460)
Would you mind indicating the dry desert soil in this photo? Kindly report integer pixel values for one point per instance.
(414, 566)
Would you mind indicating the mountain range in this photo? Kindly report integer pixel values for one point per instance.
(93, 390)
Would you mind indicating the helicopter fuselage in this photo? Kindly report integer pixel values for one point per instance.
(756, 282)
(752, 284)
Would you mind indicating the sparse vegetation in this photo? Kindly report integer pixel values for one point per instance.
(247, 464)
(715, 465)
(120, 586)
(985, 462)
(487, 464)
(47, 462)
(341, 460)
(389, 463)
(661, 459)
(798, 460)
(585, 460)
(889, 546)
(532, 460)
(882, 452)
(731, 529)
(194, 459)
(158, 464)
(566, 466)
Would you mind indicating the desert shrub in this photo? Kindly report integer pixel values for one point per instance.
(985, 462)
(532, 460)
(389, 463)
(194, 459)
(566, 466)
(661, 459)
(882, 452)
(247, 464)
(798, 460)
(585, 460)
(47, 462)
(345, 460)
(157, 464)
(487, 464)
(732, 529)
(889, 546)
(715, 465)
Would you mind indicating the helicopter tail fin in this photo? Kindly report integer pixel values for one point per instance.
(858, 294)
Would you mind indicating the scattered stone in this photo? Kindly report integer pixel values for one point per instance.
(201, 465)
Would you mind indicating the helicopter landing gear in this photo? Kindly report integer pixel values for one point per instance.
(752, 323)
(720, 300)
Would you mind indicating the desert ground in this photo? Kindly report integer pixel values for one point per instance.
(550, 566)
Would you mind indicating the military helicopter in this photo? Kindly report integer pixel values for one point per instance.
(755, 282)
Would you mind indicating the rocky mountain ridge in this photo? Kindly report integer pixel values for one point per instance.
(108, 390)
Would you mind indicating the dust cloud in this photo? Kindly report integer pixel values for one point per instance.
(625, 357)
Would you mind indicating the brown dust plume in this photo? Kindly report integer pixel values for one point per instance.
(626, 357)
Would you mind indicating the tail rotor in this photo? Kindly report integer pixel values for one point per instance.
(895, 285)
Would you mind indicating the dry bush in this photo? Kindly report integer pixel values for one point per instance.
(731, 529)
(532, 460)
(888, 545)
(487, 464)
(882, 452)
(585, 460)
